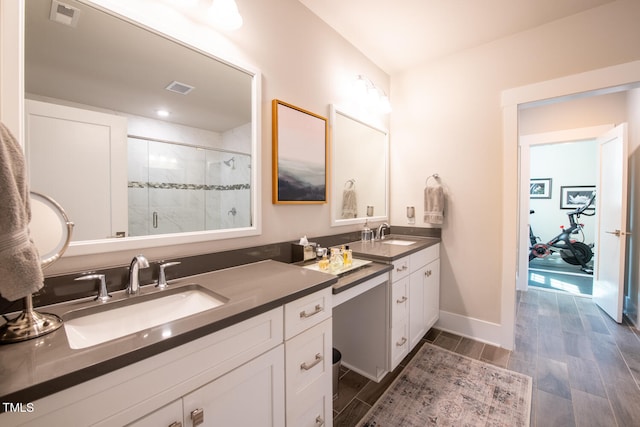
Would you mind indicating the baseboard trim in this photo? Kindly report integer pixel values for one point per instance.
(479, 330)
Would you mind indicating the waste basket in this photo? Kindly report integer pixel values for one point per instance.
(337, 357)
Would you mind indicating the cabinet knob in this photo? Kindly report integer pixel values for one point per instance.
(197, 416)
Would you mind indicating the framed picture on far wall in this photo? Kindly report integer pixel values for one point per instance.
(572, 197)
(540, 188)
(299, 155)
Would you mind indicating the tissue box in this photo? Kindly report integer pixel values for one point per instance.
(303, 252)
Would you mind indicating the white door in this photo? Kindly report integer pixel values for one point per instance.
(611, 204)
(87, 150)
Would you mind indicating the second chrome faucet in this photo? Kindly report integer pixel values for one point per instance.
(138, 262)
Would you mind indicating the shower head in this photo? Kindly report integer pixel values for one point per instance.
(231, 162)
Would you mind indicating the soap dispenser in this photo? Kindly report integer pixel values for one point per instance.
(367, 233)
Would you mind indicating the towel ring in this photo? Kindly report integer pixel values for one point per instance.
(350, 183)
(434, 176)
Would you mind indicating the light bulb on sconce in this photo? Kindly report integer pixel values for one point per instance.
(370, 94)
(225, 14)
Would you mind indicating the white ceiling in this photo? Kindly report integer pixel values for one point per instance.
(398, 34)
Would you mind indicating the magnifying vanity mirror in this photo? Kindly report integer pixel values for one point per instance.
(144, 140)
(50, 230)
(360, 170)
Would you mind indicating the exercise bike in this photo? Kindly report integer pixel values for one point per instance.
(571, 251)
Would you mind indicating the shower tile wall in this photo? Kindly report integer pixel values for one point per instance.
(176, 188)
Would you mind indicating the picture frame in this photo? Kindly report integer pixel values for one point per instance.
(540, 188)
(300, 155)
(574, 196)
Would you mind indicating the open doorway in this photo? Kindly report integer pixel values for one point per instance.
(562, 174)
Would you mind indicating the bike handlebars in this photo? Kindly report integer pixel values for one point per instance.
(584, 207)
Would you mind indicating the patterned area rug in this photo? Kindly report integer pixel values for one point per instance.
(441, 388)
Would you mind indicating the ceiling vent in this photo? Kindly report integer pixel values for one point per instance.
(180, 88)
(64, 14)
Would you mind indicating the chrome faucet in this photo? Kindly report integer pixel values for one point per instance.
(138, 262)
(381, 230)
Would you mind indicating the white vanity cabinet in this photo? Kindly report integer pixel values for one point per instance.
(223, 402)
(414, 300)
(273, 369)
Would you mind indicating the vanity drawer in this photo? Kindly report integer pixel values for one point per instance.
(424, 257)
(400, 301)
(401, 268)
(317, 414)
(399, 343)
(306, 312)
(308, 369)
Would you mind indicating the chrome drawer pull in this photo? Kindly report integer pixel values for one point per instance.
(306, 367)
(304, 314)
(428, 273)
(404, 267)
(401, 300)
(402, 342)
(176, 424)
(319, 421)
(197, 416)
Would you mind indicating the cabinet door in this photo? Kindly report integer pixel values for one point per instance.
(417, 298)
(167, 416)
(431, 294)
(251, 395)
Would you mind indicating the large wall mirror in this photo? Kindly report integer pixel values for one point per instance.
(360, 170)
(144, 140)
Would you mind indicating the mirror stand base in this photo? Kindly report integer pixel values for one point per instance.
(29, 324)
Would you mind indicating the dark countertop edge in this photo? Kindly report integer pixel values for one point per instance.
(49, 387)
(357, 277)
(403, 251)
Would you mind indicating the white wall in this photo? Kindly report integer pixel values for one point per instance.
(632, 301)
(567, 164)
(447, 119)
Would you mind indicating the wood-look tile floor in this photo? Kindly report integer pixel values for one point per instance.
(585, 367)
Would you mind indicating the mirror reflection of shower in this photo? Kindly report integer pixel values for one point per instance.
(231, 162)
(175, 187)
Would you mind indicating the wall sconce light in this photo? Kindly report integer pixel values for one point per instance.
(373, 95)
(225, 14)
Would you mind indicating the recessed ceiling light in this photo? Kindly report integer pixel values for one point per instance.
(162, 113)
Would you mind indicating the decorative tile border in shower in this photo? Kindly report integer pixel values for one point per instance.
(176, 186)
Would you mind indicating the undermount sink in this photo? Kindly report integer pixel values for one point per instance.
(96, 325)
(399, 242)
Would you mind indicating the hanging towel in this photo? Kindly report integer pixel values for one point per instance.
(434, 204)
(20, 270)
(349, 201)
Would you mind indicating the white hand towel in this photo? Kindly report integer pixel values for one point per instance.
(434, 204)
(20, 270)
(349, 202)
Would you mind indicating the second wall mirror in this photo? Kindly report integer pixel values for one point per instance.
(360, 170)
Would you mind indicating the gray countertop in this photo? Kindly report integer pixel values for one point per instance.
(378, 250)
(39, 367)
